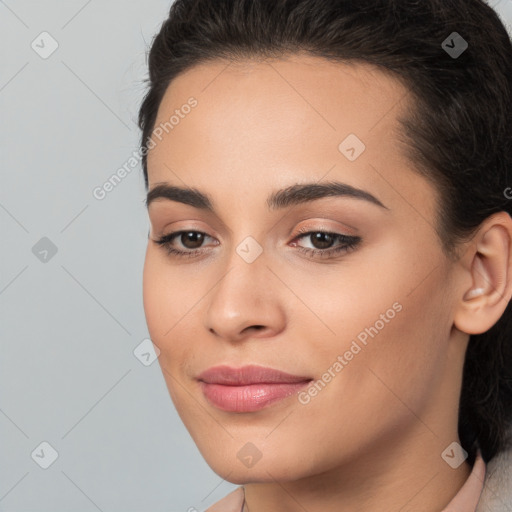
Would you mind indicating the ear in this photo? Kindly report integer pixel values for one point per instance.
(486, 280)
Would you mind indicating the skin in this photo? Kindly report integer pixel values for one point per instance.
(372, 439)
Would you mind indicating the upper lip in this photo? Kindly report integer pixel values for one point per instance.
(250, 374)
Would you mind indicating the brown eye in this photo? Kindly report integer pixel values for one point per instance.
(183, 243)
(321, 240)
(325, 244)
(192, 239)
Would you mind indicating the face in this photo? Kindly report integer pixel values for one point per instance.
(346, 288)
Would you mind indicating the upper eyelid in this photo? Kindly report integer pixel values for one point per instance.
(308, 215)
(352, 230)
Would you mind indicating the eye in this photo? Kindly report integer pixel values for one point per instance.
(322, 241)
(190, 239)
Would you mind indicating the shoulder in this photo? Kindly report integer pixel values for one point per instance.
(232, 502)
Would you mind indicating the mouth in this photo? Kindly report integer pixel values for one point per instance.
(249, 388)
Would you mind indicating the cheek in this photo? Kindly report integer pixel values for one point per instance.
(167, 296)
(388, 321)
(405, 359)
(164, 308)
(169, 301)
(152, 294)
(392, 372)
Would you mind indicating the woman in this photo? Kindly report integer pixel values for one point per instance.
(329, 263)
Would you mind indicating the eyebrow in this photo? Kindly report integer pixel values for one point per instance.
(279, 199)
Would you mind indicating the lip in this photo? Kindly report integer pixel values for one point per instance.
(248, 388)
(250, 374)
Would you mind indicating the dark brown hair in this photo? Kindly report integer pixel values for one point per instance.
(458, 135)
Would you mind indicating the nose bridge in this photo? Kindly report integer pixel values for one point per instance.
(244, 295)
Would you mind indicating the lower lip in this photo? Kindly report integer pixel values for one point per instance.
(249, 397)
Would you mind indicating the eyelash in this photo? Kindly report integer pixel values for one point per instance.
(348, 243)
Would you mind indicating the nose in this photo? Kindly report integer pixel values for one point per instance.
(246, 302)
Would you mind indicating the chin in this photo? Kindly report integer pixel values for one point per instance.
(232, 467)
(267, 473)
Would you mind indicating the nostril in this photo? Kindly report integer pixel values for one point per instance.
(257, 327)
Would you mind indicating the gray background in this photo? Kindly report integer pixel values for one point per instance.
(70, 321)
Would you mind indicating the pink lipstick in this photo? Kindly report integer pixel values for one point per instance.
(249, 388)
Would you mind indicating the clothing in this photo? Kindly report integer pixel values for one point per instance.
(497, 493)
(466, 500)
(487, 489)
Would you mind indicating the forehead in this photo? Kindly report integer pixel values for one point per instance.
(279, 99)
(260, 124)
